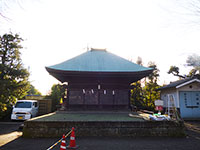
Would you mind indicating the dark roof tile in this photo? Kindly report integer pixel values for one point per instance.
(175, 83)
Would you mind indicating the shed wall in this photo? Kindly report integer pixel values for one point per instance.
(195, 86)
(171, 91)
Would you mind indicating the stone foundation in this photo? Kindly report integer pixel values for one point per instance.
(103, 128)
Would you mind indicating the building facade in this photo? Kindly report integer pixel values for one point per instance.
(97, 80)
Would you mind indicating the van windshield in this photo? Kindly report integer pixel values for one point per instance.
(23, 105)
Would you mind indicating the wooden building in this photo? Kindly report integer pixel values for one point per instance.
(98, 80)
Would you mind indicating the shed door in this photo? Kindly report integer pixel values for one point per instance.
(190, 104)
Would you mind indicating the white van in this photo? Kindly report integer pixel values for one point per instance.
(24, 109)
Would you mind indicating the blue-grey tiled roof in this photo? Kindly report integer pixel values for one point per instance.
(99, 61)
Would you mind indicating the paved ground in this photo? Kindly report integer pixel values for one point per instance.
(107, 143)
(9, 131)
(192, 141)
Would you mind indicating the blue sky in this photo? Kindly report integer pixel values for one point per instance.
(164, 32)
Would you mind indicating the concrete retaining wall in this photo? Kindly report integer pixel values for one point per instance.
(104, 128)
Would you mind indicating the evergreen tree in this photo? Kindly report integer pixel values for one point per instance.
(150, 94)
(13, 76)
(143, 96)
(136, 93)
(57, 93)
(136, 97)
(33, 91)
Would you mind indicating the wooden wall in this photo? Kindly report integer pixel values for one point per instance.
(45, 105)
(98, 99)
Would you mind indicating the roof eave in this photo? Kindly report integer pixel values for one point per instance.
(188, 82)
(60, 74)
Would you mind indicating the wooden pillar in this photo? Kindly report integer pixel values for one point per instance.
(84, 105)
(113, 93)
(129, 99)
(64, 96)
(99, 96)
(67, 99)
(99, 100)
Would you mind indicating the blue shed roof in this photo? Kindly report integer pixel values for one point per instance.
(97, 60)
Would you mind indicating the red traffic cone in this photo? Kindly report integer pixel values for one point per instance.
(63, 143)
(72, 143)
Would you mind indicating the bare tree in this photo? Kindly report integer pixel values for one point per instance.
(192, 11)
(7, 5)
(194, 61)
(3, 8)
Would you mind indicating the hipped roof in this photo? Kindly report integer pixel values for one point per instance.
(99, 61)
(98, 65)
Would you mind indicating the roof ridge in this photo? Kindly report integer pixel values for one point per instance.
(98, 49)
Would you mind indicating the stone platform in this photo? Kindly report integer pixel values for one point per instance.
(99, 124)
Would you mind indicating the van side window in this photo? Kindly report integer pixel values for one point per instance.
(35, 104)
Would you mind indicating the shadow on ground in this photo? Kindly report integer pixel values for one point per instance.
(108, 143)
(8, 127)
(191, 141)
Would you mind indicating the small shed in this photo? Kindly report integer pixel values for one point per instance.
(186, 95)
(97, 80)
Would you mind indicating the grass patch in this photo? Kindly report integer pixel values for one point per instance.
(87, 117)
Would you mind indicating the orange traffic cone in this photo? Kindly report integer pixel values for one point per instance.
(63, 143)
(72, 143)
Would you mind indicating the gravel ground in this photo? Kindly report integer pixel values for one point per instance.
(191, 141)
